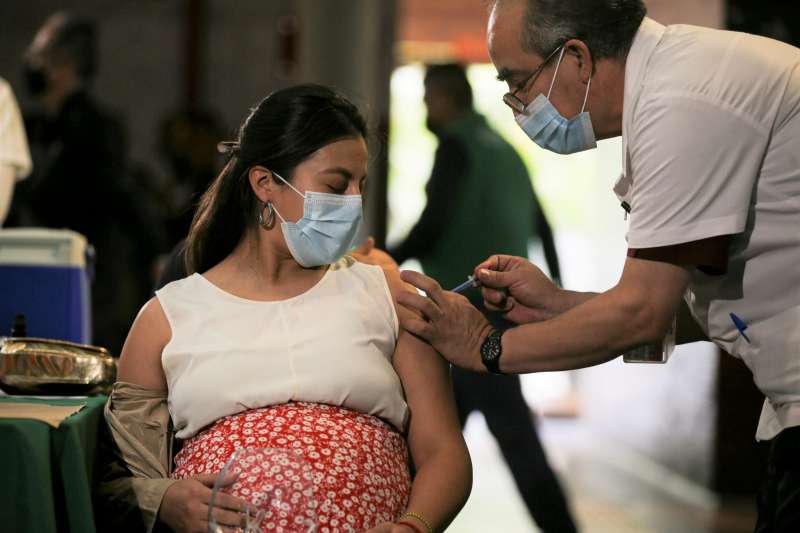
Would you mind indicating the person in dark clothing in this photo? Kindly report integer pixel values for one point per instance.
(187, 141)
(480, 202)
(174, 267)
(80, 176)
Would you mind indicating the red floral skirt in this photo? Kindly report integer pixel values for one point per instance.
(358, 463)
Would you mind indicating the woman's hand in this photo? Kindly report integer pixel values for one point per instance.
(517, 288)
(185, 506)
(389, 527)
(367, 253)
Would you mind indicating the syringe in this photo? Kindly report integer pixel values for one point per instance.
(472, 281)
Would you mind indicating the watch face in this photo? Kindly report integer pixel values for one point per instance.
(491, 349)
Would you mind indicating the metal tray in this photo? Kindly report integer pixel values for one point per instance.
(53, 367)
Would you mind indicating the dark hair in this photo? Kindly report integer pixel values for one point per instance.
(606, 26)
(74, 38)
(452, 79)
(281, 132)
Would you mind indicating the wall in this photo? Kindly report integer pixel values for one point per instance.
(709, 13)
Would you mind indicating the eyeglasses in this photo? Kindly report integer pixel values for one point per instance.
(512, 100)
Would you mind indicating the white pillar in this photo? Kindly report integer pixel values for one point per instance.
(349, 44)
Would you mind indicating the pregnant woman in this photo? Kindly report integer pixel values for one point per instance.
(277, 339)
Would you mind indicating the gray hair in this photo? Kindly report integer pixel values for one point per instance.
(606, 26)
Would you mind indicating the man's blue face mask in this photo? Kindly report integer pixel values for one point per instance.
(327, 230)
(545, 126)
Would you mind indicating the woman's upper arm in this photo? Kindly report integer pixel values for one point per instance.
(140, 361)
(426, 381)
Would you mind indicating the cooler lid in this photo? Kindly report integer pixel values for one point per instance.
(42, 246)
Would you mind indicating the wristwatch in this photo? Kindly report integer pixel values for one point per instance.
(491, 350)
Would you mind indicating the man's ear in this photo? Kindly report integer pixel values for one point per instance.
(262, 182)
(580, 51)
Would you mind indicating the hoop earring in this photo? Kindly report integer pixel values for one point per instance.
(270, 217)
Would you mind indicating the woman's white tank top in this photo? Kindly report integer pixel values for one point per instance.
(333, 344)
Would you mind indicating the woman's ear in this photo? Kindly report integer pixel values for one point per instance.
(262, 183)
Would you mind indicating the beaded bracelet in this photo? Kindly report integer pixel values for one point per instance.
(419, 518)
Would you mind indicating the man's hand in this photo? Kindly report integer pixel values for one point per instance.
(447, 321)
(517, 288)
(367, 253)
(185, 506)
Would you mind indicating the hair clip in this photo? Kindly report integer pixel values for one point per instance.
(228, 147)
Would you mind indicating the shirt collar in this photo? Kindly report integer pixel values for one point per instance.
(644, 44)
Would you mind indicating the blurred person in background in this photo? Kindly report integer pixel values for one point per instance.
(80, 179)
(480, 200)
(15, 158)
(188, 141)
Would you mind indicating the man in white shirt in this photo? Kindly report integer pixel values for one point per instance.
(15, 158)
(710, 123)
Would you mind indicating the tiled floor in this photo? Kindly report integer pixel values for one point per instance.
(611, 491)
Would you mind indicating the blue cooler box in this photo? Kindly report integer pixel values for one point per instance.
(43, 275)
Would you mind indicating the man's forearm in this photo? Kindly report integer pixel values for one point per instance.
(596, 329)
(687, 329)
(569, 299)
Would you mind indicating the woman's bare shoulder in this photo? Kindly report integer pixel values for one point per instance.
(396, 287)
(140, 361)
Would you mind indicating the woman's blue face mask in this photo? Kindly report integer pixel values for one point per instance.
(327, 230)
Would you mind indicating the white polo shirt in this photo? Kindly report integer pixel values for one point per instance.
(711, 146)
(13, 143)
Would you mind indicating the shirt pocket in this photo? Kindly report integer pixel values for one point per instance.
(773, 355)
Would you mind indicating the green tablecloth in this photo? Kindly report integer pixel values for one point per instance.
(47, 472)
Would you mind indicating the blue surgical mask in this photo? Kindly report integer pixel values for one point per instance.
(545, 126)
(327, 230)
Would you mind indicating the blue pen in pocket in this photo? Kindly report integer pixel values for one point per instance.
(740, 325)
